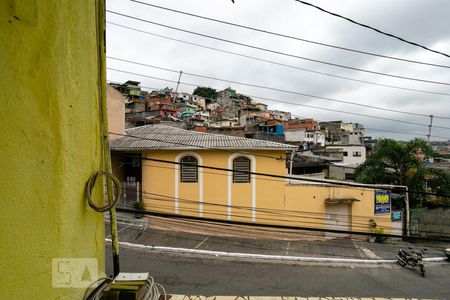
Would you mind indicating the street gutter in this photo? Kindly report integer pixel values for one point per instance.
(265, 256)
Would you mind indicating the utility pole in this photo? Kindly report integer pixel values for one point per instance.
(178, 82)
(429, 128)
(407, 215)
(291, 162)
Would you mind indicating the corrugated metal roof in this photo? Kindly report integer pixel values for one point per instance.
(162, 137)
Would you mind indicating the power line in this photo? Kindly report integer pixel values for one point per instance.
(232, 229)
(277, 52)
(380, 130)
(278, 63)
(353, 225)
(252, 245)
(274, 89)
(390, 187)
(328, 182)
(289, 36)
(360, 220)
(315, 180)
(237, 215)
(307, 214)
(400, 132)
(199, 146)
(368, 128)
(372, 28)
(262, 225)
(286, 102)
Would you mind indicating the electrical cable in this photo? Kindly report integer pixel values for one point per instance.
(390, 187)
(287, 102)
(288, 36)
(97, 292)
(236, 231)
(278, 63)
(321, 216)
(368, 128)
(105, 158)
(277, 89)
(279, 52)
(259, 218)
(281, 213)
(372, 28)
(262, 225)
(255, 246)
(203, 147)
(90, 189)
(251, 243)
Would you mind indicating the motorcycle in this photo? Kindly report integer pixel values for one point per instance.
(412, 258)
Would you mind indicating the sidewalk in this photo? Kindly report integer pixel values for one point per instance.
(190, 297)
(226, 238)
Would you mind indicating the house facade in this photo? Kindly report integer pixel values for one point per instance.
(173, 168)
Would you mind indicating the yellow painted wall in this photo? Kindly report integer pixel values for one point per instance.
(277, 202)
(49, 143)
(309, 201)
(158, 178)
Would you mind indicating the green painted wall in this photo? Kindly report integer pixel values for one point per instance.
(49, 143)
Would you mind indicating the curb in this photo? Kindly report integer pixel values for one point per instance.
(266, 256)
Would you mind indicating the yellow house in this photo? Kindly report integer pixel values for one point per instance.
(212, 176)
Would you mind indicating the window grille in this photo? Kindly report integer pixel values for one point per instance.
(189, 169)
(241, 169)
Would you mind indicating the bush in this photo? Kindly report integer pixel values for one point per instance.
(378, 238)
(138, 205)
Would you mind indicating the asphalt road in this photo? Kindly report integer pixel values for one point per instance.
(245, 240)
(190, 275)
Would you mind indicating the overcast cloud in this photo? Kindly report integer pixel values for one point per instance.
(424, 22)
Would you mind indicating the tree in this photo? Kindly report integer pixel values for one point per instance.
(402, 164)
(206, 92)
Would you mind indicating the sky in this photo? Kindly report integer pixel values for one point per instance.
(423, 22)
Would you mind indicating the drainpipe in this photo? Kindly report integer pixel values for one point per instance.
(290, 164)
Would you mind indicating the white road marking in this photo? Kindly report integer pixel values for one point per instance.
(265, 256)
(122, 229)
(367, 252)
(201, 243)
(288, 246)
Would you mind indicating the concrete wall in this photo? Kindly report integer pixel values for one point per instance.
(351, 159)
(430, 222)
(50, 143)
(340, 171)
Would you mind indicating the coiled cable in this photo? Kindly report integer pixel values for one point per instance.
(115, 195)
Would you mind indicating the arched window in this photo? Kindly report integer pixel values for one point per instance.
(241, 169)
(189, 169)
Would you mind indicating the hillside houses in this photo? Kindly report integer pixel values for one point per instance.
(229, 112)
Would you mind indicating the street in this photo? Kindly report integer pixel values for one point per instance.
(188, 275)
(215, 237)
(193, 274)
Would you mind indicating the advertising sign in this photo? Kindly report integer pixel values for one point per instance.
(382, 202)
(396, 216)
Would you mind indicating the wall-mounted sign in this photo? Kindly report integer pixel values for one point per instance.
(135, 92)
(396, 215)
(382, 202)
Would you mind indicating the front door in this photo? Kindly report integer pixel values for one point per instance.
(337, 218)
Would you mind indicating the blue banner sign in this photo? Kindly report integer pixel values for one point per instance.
(396, 215)
(382, 202)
